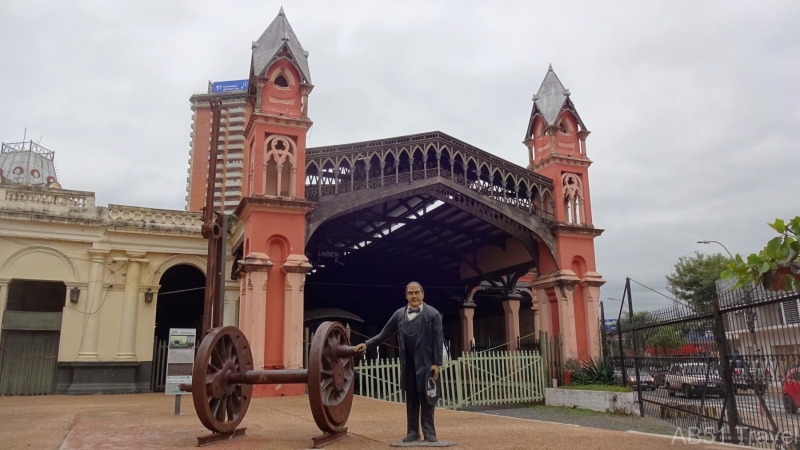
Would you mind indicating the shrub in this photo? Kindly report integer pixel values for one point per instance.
(595, 371)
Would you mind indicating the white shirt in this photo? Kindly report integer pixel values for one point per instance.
(411, 316)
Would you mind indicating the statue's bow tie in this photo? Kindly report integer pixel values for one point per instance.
(413, 310)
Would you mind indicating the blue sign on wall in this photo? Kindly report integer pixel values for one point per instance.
(229, 86)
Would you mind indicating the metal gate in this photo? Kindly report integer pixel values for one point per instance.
(487, 378)
(28, 361)
(728, 370)
(158, 378)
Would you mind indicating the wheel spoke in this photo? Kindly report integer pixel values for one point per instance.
(229, 408)
(214, 405)
(214, 353)
(327, 373)
(219, 412)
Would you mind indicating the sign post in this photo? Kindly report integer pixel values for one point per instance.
(180, 362)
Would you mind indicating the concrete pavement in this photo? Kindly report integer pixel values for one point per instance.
(147, 421)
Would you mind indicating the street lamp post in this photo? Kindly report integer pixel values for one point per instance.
(717, 242)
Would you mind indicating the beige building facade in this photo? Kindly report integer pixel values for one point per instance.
(109, 264)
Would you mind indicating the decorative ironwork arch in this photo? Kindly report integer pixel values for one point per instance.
(505, 217)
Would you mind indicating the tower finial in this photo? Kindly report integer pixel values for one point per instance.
(549, 70)
(281, 13)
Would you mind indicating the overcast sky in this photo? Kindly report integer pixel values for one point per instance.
(693, 106)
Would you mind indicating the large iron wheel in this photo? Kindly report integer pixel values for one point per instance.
(330, 378)
(220, 405)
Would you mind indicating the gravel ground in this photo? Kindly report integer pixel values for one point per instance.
(582, 417)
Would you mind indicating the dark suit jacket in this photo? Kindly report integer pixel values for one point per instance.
(427, 348)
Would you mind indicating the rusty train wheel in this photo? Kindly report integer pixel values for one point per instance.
(330, 378)
(220, 405)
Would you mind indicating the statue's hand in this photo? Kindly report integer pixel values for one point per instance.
(435, 370)
(361, 348)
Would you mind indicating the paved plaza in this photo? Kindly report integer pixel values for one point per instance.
(147, 421)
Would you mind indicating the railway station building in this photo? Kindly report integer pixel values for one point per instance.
(336, 232)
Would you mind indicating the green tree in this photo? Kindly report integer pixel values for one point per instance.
(776, 266)
(640, 319)
(695, 279)
(666, 339)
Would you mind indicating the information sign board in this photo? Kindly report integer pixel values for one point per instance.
(219, 87)
(180, 359)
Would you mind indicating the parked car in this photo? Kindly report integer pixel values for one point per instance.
(791, 390)
(646, 381)
(690, 379)
(648, 384)
(757, 380)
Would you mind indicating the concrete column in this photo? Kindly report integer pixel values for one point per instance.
(3, 297)
(544, 316)
(130, 308)
(253, 310)
(511, 309)
(293, 183)
(295, 268)
(231, 301)
(590, 295)
(88, 350)
(582, 135)
(566, 320)
(467, 330)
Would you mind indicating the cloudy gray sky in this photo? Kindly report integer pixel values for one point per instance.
(693, 106)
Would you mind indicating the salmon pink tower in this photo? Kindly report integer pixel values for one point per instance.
(568, 286)
(273, 208)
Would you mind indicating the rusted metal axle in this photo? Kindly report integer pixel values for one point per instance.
(281, 376)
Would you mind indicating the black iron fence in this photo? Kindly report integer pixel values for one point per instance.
(728, 370)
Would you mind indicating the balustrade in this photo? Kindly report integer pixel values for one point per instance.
(402, 160)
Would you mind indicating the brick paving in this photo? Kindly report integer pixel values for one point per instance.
(146, 421)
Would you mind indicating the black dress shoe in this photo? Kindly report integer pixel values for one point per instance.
(411, 437)
(431, 439)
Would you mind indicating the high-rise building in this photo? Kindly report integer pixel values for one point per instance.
(228, 186)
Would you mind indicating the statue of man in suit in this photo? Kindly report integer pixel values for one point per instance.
(419, 332)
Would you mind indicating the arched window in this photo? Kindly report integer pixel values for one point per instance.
(279, 166)
(573, 199)
(280, 81)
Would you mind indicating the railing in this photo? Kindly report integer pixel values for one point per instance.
(376, 164)
(474, 379)
(158, 378)
(46, 198)
(154, 216)
(725, 369)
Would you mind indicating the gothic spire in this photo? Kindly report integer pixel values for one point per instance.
(278, 37)
(551, 97)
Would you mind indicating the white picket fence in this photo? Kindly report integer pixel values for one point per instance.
(486, 378)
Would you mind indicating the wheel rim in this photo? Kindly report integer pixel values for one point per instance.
(221, 405)
(330, 378)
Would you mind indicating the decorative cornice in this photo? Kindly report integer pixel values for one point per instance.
(593, 279)
(551, 159)
(583, 134)
(299, 205)
(296, 264)
(557, 278)
(564, 228)
(272, 119)
(306, 89)
(256, 262)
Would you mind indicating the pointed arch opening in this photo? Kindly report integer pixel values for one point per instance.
(280, 170)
